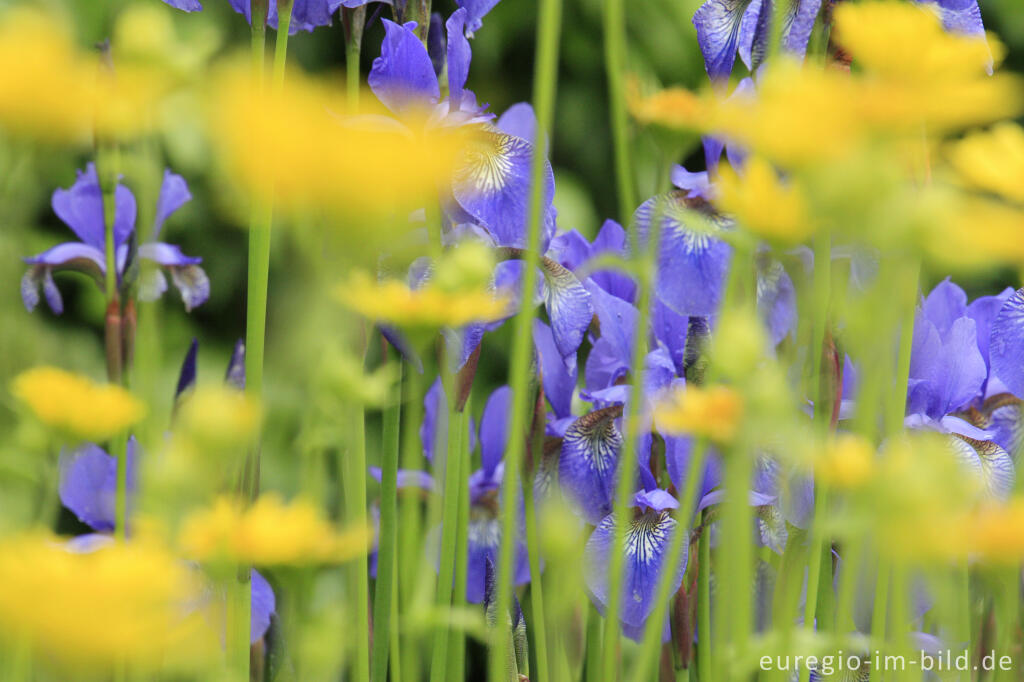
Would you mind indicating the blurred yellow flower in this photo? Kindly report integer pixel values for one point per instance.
(975, 232)
(675, 108)
(52, 90)
(906, 42)
(219, 417)
(714, 412)
(430, 306)
(269, 533)
(76, 405)
(992, 161)
(996, 532)
(762, 203)
(118, 602)
(300, 144)
(848, 461)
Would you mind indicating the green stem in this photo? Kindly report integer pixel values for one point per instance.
(814, 564)
(353, 51)
(880, 612)
(615, 65)
(457, 648)
(410, 521)
(540, 636)
(545, 84)
(355, 504)
(651, 643)
(704, 604)
(594, 645)
(387, 540)
(454, 489)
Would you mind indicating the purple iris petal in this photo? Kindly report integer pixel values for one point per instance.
(521, 121)
(944, 305)
(493, 185)
(647, 540)
(187, 375)
(475, 12)
(494, 426)
(723, 26)
(81, 209)
(557, 377)
(568, 305)
(678, 451)
(88, 482)
(590, 457)
(483, 544)
(1006, 423)
(235, 375)
(459, 56)
(263, 606)
(306, 14)
(697, 184)
(434, 412)
(617, 320)
(612, 239)
(402, 77)
(776, 300)
(186, 5)
(406, 478)
(983, 311)
(1006, 344)
(173, 195)
(799, 21)
(193, 284)
(670, 328)
(167, 255)
(656, 499)
(959, 16)
(691, 265)
(945, 372)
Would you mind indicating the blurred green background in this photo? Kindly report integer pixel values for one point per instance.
(662, 48)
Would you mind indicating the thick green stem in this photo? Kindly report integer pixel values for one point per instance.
(540, 636)
(387, 541)
(410, 521)
(353, 51)
(814, 564)
(545, 84)
(457, 647)
(592, 667)
(615, 66)
(651, 643)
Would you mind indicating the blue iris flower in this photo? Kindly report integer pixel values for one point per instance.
(949, 375)
(306, 14)
(81, 209)
(725, 27)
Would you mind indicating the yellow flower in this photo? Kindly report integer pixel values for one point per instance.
(269, 533)
(52, 90)
(300, 144)
(219, 417)
(675, 108)
(996, 533)
(992, 160)
(713, 412)
(975, 232)
(763, 204)
(122, 601)
(76, 405)
(847, 462)
(431, 305)
(906, 42)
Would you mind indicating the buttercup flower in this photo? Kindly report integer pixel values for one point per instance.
(713, 412)
(75, 405)
(269, 533)
(81, 209)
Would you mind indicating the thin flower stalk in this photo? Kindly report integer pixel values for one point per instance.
(545, 86)
(615, 68)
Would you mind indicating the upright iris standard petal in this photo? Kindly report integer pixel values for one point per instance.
(186, 5)
(587, 469)
(1006, 344)
(187, 375)
(88, 483)
(691, 264)
(612, 239)
(945, 372)
(402, 77)
(568, 305)
(723, 27)
(264, 605)
(81, 209)
(646, 544)
(776, 299)
(670, 328)
(944, 305)
(173, 195)
(475, 12)
(519, 120)
(558, 377)
(989, 461)
(459, 56)
(494, 426)
(306, 14)
(492, 184)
